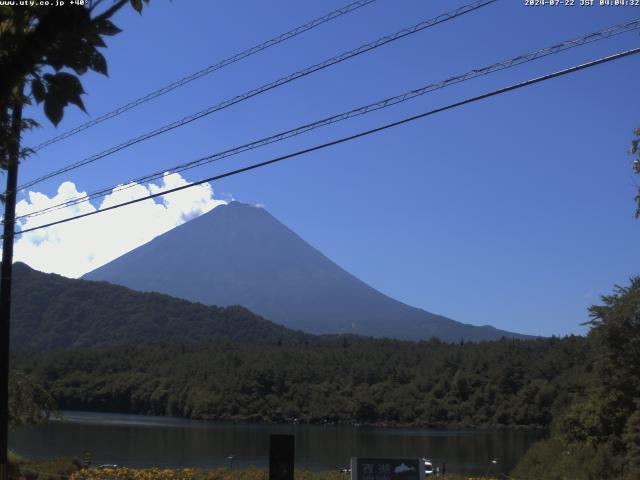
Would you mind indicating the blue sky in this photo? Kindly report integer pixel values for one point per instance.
(516, 211)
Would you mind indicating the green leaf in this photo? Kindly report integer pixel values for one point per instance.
(95, 39)
(68, 83)
(77, 101)
(80, 61)
(29, 124)
(106, 27)
(65, 88)
(53, 109)
(26, 152)
(137, 5)
(98, 63)
(55, 63)
(79, 68)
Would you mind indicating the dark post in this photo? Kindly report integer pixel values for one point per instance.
(281, 457)
(87, 458)
(5, 282)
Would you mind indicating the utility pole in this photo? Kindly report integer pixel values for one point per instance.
(5, 280)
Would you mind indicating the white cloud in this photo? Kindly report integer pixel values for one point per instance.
(77, 247)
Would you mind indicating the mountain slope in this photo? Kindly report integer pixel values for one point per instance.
(53, 312)
(240, 254)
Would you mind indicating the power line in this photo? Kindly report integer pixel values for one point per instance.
(505, 64)
(349, 138)
(210, 69)
(269, 86)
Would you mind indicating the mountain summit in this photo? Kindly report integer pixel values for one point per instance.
(239, 254)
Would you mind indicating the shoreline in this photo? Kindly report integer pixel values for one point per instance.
(71, 469)
(263, 422)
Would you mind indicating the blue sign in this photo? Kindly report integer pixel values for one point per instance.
(387, 469)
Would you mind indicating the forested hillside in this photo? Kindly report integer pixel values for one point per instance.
(508, 382)
(52, 312)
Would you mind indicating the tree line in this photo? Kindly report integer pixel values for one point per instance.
(598, 436)
(377, 382)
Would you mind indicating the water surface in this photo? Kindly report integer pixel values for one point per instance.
(143, 441)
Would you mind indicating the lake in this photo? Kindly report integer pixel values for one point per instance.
(143, 441)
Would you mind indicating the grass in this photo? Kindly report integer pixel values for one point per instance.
(70, 469)
(56, 469)
(216, 474)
